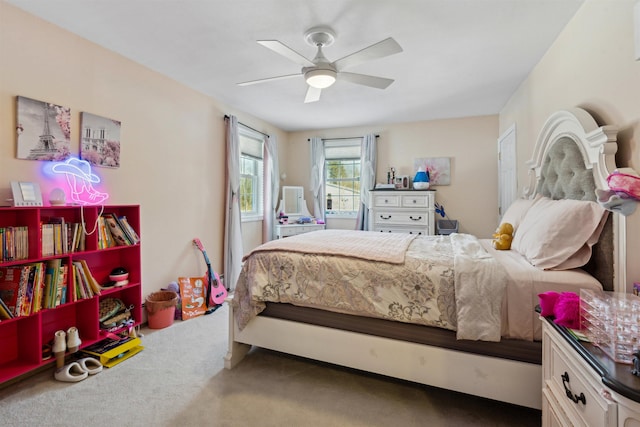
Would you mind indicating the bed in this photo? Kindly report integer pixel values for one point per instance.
(429, 319)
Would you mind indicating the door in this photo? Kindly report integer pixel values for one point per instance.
(507, 170)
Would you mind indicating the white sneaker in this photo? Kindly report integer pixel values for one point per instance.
(59, 342)
(73, 339)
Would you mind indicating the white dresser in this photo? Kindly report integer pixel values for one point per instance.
(402, 211)
(581, 386)
(286, 230)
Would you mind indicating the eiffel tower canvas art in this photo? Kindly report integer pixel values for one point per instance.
(43, 130)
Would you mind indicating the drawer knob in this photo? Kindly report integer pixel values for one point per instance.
(385, 217)
(415, 219)
(570, 395)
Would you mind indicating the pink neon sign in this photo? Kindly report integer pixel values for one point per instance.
(80, 179)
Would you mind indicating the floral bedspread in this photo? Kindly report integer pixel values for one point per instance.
(421, 290)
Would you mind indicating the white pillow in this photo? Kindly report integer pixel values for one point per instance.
(516, 212)
(554, 231)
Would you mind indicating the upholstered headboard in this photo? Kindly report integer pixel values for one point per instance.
(564, 176)
(572, 158)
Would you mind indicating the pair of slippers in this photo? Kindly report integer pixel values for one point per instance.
(78, 371)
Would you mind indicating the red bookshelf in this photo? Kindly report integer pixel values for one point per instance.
(22, 338)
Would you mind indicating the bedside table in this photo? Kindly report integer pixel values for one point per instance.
(582, 386)
(286, 230)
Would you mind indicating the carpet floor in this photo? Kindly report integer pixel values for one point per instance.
(179, 380)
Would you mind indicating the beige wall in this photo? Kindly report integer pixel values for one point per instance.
(591, 65)
(173, 147)
(470, 142)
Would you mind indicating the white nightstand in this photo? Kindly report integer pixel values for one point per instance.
(286, 230)
(582, 386)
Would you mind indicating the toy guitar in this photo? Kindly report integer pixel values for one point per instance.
(215, 291)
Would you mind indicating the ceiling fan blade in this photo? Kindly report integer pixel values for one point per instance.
(379, 50)
(287, 52)
(269, 79)
(363, 79)
(313, 94)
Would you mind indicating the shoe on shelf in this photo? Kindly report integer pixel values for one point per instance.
(90, 365)
(59, 342)
(73, 339)
(71, 373)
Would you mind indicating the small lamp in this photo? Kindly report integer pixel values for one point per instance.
(57, 197)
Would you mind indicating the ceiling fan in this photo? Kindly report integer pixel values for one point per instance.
(319, 73)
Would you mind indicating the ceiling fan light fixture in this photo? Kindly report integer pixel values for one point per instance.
(320, 79)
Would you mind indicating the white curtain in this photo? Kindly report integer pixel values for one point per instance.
(271, 184)
(233, 250)
(317, 177)
(368, 160)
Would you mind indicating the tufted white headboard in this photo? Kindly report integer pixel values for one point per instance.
(572, 158)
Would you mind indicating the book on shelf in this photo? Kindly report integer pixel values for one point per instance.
(14, 243)
(105, 239)
(131, 233)
(53, 282)
(93, 283)
(117, 230)
(5, 313)
(38, 287)
(86, 286)
(13, 280)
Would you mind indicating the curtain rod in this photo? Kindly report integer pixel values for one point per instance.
(353, 137)
(226, 117)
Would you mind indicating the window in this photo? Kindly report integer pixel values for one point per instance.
(342, 176)
(251, 174)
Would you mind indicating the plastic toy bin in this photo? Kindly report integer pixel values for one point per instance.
(610, 320)
(446, 226)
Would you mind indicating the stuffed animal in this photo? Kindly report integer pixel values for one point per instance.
(503, 236)
(563, 306)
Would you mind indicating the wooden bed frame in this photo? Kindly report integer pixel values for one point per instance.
(510, 381)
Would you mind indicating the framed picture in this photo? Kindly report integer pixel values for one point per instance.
(439, 169)
(43, 130)
(100, 140)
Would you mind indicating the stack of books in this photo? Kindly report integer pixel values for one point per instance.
(116, 231)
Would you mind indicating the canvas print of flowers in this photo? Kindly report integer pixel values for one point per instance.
(43, 130)
(439, 169)
(100, 140)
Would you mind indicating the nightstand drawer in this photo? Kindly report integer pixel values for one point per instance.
(577, 392)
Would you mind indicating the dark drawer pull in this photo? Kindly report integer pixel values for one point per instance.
(385, 217)
(415, 219)
(570, 395)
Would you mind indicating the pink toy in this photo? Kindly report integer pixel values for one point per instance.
(624, 183)
(564, 306)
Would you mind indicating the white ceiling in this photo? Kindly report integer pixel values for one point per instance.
(461, 57)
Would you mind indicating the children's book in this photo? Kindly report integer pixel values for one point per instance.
(192, 292)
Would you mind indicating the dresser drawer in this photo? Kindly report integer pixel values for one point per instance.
(416, 201)
(577, 392)
(399, 217)
(421, 231)
(386, 200)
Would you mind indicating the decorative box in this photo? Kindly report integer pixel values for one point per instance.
(611, 321)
